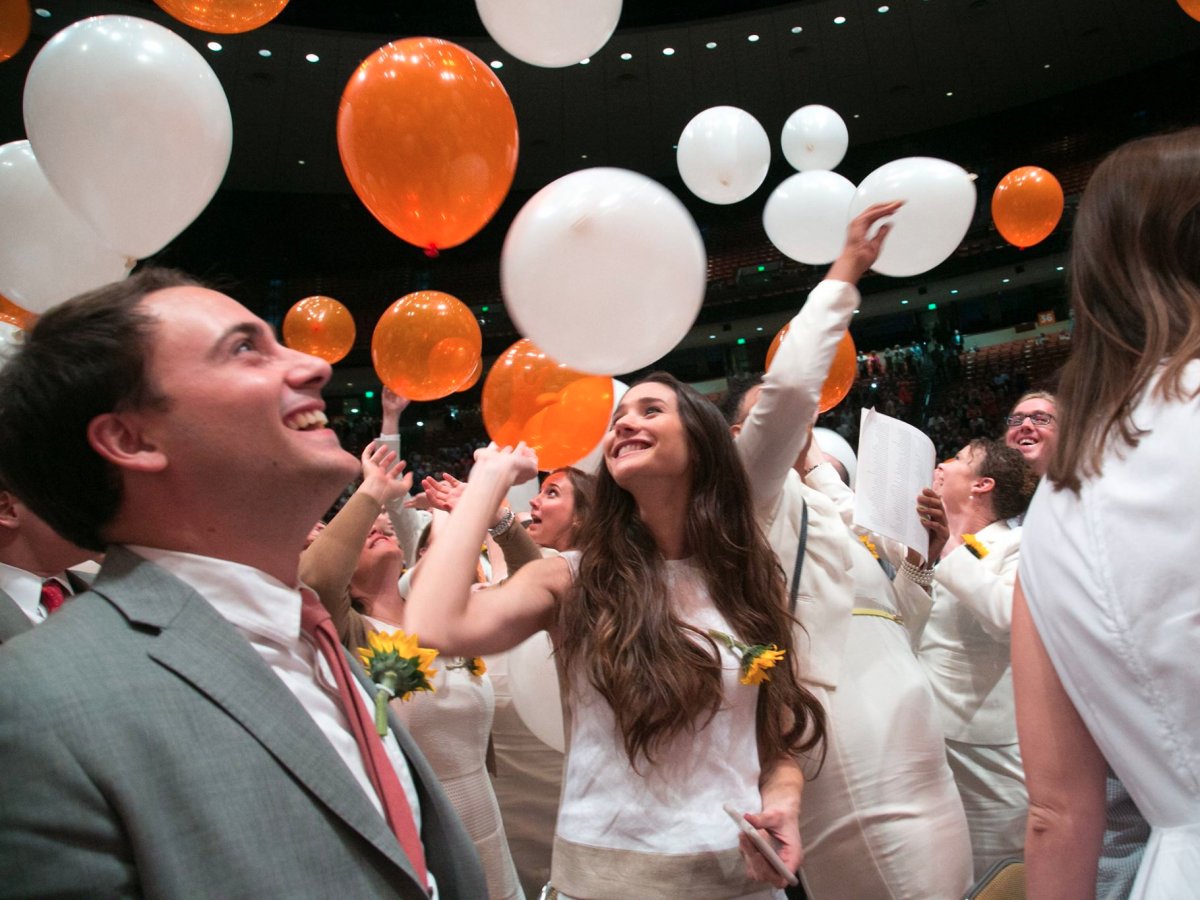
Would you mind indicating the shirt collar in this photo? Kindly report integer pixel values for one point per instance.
(26, 588)
(249, 598)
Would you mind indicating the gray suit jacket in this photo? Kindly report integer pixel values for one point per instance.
(148, 749)
(13, 620)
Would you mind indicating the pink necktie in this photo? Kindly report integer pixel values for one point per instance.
(54, 595)
(316, 621)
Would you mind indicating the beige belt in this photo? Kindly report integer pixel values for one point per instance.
(878, 613)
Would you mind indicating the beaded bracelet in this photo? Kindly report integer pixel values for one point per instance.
(917, 574)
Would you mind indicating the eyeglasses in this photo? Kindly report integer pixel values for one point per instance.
(1037, 418)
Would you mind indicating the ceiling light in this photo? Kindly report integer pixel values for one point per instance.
(300, 161)
(796, 29)
(43, 13)
(213, 46)
(904, 303)
(668, 51)
(626, 56)
(1005, 280)
(264, 53)
(856, 312)
(420, 424)
(496, 64)
(583, 156)
(839, 20)
(883, 9)
(953, 290)
(712, 337)
(949, 93)
(585, 60)
(711, 45)
(312, 57)
(759, 328)
(752, 38)
(856, 115)
(1058, 268)
(1046, 66)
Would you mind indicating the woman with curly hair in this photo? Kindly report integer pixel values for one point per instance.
(674, 647)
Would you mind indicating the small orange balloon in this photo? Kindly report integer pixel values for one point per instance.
(320, 326)
(559, 412)
(842, 370)
(473, 378)
(425, 345)
(223, 16)
(1191, 7)
(428, 139)
(1026, 205)
(15, 20)
(16, 315)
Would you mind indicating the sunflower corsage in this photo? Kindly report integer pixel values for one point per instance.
(975, 546)
(398, 667)
(869, 544)
(756, 659)
(473, 664)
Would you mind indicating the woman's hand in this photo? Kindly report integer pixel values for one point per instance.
(862, 248)
(443, 494)
(933, 518)
(520, 461)
(392, 404)
(384, 477)
(781, 828)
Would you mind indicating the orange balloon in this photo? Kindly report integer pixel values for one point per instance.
(559, 412)
(320, 326)
(224, 16)
(426, 345)
(16, 315)
(15, 20)
(428, 139)
(1026, 206)
(1191, 7)
(842, 370)
(473, 378)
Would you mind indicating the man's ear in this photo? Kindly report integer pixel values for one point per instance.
(120, 438)
(9, 515)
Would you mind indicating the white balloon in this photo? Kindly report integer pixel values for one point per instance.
(47, 253)
(131, 127)
(839, 448)
(550, 33)
(533, 681)
(604, 269)
(723, 154)
(595, 458)
(806, 216)
(939, 203)
(814, 137)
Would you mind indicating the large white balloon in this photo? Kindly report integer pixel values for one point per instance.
(131, 127)
(604, 269)
(47, 253)
(814, 137)
(533, 682)
(839, 448)
(939, 201)
(806, 216)
(550, 33)
(723, 154)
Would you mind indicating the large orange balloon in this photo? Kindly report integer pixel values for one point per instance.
(16, 315)
(428, 139)
(320, 326)
(15, 20)
(1191, 7)
(224, 16)
(842, 370)
(559, 412)
(1027, 204)
(426, 345)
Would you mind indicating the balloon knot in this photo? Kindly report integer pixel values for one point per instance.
(432, 251)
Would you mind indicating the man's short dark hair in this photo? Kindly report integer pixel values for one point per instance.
(83, 358)
(739, 387)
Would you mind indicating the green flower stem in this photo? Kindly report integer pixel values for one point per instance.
(387, 690)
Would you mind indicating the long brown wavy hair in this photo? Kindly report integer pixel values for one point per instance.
(662, 677)
(1135, 292)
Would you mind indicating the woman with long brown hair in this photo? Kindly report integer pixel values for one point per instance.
(666, 623)
(1106, 628)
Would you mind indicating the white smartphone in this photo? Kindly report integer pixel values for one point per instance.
(761, 844)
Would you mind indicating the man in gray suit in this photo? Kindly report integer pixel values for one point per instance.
(173, 732)
(31, 553)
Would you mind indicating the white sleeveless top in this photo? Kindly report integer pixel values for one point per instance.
(673, 807)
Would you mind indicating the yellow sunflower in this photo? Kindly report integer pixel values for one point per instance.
(975, 546)
(398, 666)
(757, 661)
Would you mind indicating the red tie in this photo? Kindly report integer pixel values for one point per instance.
(316, 621)
(53, 595)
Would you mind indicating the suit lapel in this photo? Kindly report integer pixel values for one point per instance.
(206, 651)
(13, 620)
